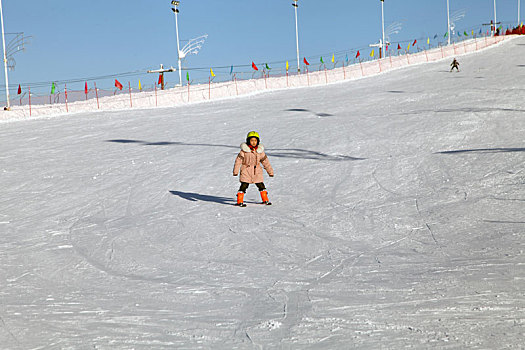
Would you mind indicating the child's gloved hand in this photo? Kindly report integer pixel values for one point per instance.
(235, 174)
(271, 175)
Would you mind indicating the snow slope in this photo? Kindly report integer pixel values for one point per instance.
(398, 219)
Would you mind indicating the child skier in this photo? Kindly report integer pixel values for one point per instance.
(248, 159)
(454, 64)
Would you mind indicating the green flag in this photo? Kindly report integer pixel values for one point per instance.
(465, 33)
(267, 66)
(446, 34)
(322, 60)
(188, 76)
(53, 89)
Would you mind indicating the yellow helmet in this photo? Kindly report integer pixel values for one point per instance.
(252, 134)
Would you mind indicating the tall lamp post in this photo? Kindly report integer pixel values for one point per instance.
(295, 5)
(382, 53)
(448, 22)
(5, 59)
(519, 3)
(495, 22)
(175, 10)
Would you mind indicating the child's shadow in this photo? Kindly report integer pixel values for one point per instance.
(194, 197)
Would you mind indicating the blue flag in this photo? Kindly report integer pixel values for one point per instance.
(231, 70)
(346, 57)
(435, 36)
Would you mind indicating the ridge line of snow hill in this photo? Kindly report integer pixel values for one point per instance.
(180, 96)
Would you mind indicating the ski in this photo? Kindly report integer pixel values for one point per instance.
(243, 205)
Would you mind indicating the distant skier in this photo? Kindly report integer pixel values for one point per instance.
(454, 64)
(247, 161)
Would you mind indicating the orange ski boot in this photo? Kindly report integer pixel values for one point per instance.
(264, 197)
(240, 199)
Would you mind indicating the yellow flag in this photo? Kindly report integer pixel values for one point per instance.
(408, 47)
(333, 58)
(140, 86)
(428, 41)
(211, 72)
(472, 32)
(372, 53)
(287, 65)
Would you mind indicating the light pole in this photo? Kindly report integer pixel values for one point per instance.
(175, 9)
(295, 5)
(382, 54)
(495, 17)
(5, 59)
(448, 22)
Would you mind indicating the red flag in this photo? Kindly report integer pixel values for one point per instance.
(398, 47)
(254, 66)
(86, 89)
(160, 79)
(415, 42)
(386, 48)
(305, 61)
(358, 54)
(118, 85)
(19, 89)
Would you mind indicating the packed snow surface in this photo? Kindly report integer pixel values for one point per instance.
(398, 219)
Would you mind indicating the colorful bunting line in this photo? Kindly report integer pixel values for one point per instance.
(466, 34)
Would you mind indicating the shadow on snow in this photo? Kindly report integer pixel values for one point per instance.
(196, 197)
(504, 222)
(276, 152)
(167, 143)
(483, 150)
(308, 111)
(305, 154)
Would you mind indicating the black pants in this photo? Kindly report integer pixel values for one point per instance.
(244, 186)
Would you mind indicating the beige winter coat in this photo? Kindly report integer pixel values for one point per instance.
(248, 162)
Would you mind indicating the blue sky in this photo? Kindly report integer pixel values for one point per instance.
(83, 39)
